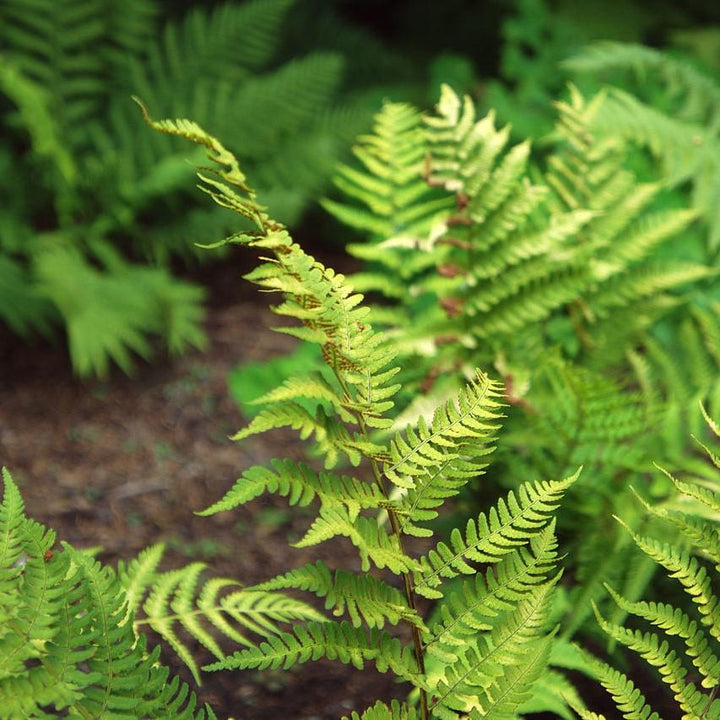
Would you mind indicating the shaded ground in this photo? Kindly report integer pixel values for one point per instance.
(125, 462)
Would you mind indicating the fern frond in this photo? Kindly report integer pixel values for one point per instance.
(320, 299)
(374, 543)
(675, 622)
(500, 670)
(380, 711)
(366, 599)
(700, 649)
(138, 575)
(658, 654)
(178, 599)
(690, 573)
(399, 203)
(301, 485)
(434, 462)
(512, 523)
(629, 700)
(481, 599)
(339, 641)
(12, 517)
(511, 692)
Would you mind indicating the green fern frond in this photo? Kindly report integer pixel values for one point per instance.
(480, 599)
(690, 573)
(629, 700)
(330, 436)
(138, 575)
(433, 463)
(339, 641)
(67, 645)
(699, 664)
(374, 543)
(205, 609)
(316, 296)
(425, 464)
(12, 517)
(658, 654)
(380, 711)
(399, 203)
(512, 523)
(508, 694)
(366, 599)
(495, 676)
(586, 418)
(35, 112)
(301, 485)
(675, 622)
(51, 43)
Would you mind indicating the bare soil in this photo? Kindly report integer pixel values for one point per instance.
(124, 463)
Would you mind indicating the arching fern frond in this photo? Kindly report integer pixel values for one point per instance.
(422, 467)
(301, 485)
(180, 603)
(629, 700)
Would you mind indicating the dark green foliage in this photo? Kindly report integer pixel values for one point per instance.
(98, 206)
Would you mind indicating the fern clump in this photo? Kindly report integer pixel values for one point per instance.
(73, 631)
(517, 259)
(689, 552)
(472, 657)
(67, 643)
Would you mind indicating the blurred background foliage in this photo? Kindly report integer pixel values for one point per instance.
(98, 219)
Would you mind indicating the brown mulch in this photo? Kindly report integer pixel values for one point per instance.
(124, 463)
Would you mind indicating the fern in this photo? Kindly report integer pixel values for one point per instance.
(66, 637)
(683, 136)
(110, 197)
(699, 634)
(522, 257)
(399, 487)
(399, 207)
(206, 610)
